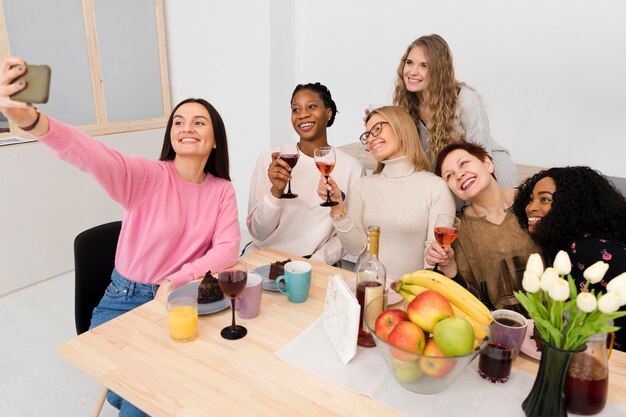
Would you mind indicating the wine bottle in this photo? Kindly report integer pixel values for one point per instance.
(370, 285)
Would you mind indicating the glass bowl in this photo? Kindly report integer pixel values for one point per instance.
(408, 367)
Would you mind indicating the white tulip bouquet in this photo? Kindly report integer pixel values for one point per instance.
(564, 317)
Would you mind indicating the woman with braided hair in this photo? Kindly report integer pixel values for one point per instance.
(444, 109)
(299, 225)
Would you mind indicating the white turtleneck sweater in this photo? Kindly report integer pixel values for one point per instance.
(405, 204)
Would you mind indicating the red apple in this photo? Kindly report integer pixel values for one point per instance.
(387, 320)
(408, 336)
(428, 308)
(433, 366)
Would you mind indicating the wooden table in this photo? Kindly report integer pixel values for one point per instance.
(134, 356)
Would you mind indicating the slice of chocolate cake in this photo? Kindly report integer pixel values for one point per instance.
(277, 269)
(209, 290)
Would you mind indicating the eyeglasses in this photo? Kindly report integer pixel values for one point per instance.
(375, 131)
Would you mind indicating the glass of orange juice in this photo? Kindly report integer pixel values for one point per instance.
(182, 315)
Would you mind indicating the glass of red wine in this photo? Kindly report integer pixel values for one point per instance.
(232, 277)
(446, 231)
(290, 154)
(325, 161)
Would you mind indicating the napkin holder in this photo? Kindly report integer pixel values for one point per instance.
(341, 318)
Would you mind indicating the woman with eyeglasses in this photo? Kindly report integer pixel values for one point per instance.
(402, 197)
(444, 109)
(299, 225)
(491, 250)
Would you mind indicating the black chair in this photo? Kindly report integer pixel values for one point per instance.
(94, 259)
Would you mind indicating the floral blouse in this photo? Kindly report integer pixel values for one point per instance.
(586, 251)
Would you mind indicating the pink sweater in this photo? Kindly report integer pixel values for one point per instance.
(172, 228)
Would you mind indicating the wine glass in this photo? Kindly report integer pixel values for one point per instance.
(232, 277)
(446, 231)
(290, 154)
(325, 161)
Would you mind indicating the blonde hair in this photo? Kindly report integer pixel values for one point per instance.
(409, 141)
(440, 96)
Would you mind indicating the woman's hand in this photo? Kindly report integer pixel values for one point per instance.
(335, 195)
(329, 185)
(279, 173)
(21, 114)
(164, 290)
(443, 257)
(17, 112)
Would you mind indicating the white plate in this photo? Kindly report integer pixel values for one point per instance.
(529, 347)
(268, 284)
(191, 290)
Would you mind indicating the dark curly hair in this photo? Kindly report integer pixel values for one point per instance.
(585, 203)
(324, 94)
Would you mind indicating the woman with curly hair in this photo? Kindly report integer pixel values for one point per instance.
(444, 109)
(578, 210)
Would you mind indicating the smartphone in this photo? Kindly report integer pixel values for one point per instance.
(37, 79)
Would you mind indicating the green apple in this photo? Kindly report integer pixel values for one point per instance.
(454, 336)
(407, 336)
(406, 371)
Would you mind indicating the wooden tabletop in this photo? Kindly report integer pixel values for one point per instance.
(135, 357)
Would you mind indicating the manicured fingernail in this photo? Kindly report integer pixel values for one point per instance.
(20, 68)
(20, 82)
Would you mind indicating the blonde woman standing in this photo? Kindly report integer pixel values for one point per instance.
(444, 109)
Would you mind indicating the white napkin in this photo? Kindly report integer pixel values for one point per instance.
(341, 318)
(367, 373)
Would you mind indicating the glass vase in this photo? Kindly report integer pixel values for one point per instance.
(547, 396)
(587, 382)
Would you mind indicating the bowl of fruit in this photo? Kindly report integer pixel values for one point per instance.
(429, 338)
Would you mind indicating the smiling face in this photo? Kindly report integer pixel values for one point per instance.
(540, 202)
(192, 131)
(309, 116)
(415, 71)
(465, 174)
(386, 145)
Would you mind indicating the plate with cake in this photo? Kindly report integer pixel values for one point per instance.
(208, 292)
(270, 272)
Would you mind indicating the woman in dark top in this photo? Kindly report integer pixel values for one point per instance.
(578, 210)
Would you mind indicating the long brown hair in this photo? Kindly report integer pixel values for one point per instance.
(218, 162)
(439, 98)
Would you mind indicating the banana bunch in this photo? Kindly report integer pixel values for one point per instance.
(464, 303)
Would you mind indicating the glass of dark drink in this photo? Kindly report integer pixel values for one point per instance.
(325, 161)
(446, 230)
(290, 154)
(494, 363)
(232, 277)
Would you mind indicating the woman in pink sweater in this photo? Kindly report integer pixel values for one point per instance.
(180, 215)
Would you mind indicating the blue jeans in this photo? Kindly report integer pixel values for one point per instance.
(121, 296)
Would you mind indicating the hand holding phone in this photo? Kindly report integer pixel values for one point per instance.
(37, 78)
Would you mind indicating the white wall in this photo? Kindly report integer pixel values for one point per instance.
(551, 73)
(45, 203)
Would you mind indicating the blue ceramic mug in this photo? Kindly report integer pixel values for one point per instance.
(297, 281)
